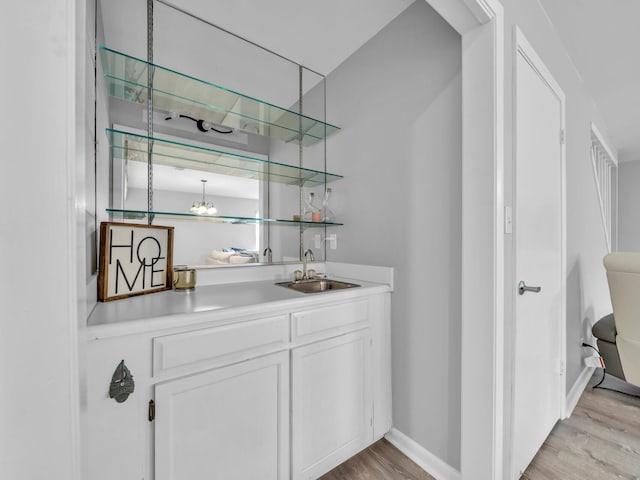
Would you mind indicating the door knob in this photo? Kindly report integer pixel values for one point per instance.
(522, 287)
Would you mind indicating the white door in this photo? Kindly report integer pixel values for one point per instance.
(538, 377)
(331, 402)
(231, 423)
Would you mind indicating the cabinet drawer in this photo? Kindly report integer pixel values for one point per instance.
(335, 317)
(219, 344)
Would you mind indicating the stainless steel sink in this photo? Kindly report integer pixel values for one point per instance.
(315, 286)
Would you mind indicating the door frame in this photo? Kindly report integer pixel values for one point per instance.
(521, 46)
(481, 25)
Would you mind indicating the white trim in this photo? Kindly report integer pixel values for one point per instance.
(613, 153)
(74, 118)
(576, 391)
(456, 13)
(523, 47)
(603, 216)
(482, 10)
(608, 211)
(483, 245)
(464, 15)
(563, 265)
(499, 250)
(426, 460)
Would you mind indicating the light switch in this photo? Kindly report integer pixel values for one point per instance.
(333, 241)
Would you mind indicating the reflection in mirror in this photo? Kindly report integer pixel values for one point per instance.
(178, 184)
(249, 171)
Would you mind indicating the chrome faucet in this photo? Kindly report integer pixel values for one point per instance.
(304, 262)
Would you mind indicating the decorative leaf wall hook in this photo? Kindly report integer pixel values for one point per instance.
(122, 384)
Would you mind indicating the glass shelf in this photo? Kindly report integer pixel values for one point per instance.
(175, 92)
(122, 215)
(131, 146)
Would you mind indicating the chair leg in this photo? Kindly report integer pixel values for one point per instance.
(604, 374)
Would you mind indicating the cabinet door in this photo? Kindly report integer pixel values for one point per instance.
(231, 423)
(117, 430)
(331, 402)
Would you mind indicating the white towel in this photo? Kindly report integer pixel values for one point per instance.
(236, 259)
(221, 256)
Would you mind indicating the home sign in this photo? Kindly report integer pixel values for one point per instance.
(134, 260)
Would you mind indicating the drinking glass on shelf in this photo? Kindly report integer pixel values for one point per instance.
(327, 213)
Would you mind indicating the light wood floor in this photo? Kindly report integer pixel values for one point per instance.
(600, 441)
(381, 461)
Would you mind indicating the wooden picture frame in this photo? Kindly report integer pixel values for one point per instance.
(135, 259)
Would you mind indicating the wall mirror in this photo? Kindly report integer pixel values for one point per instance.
(230, 149)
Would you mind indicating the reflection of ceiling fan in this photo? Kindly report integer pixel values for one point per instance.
(202, 125)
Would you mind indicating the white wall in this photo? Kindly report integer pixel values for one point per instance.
(629, 206)
(38, 310)
(398, 101)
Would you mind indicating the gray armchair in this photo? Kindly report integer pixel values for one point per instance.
(605, 332)
(618, 334)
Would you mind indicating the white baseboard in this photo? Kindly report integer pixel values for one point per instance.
(425, 459)
(576, 391)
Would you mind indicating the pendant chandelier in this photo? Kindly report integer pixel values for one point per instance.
(203, 207)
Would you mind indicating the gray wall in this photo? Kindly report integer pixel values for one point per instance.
(398, 101)
(629, 206)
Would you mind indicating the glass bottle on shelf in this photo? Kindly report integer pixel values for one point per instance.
(309, 207)
(327, 213)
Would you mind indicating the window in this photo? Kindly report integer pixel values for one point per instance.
(605, 172)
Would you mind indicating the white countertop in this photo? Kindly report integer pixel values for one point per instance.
(207, 303)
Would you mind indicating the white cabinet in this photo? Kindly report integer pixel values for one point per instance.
(332, 402)
(291, 394)
(117, 430)
(189, 352)
(229, 423)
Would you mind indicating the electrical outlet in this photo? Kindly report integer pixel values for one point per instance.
(593, 361)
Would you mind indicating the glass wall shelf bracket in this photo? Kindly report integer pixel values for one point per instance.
(122, 215)
(131, 146)
(126, 78)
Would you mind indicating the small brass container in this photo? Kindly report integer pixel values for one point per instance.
(184, 277)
